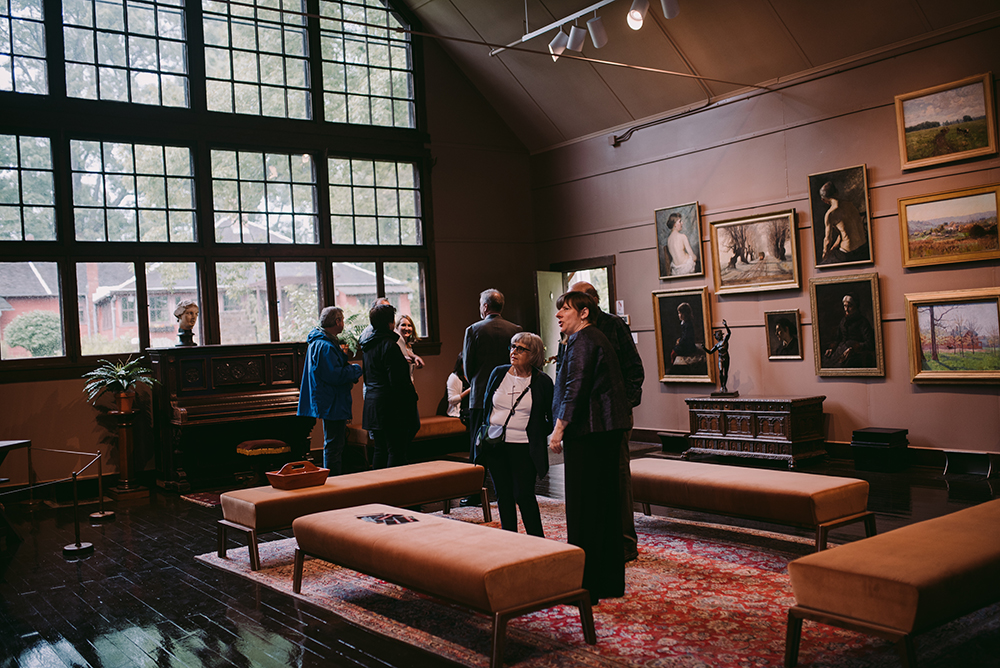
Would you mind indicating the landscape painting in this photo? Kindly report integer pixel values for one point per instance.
(755, 254)
(954, 336)
(951, 122)
(955, 226)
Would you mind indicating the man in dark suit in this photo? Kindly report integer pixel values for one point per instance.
(487, 346)
(620, 336)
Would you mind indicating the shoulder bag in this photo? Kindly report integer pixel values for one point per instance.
(485, 445)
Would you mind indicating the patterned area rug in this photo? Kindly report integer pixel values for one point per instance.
(207, 499)
(700, 595)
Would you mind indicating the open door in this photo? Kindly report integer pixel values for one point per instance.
(548, 287)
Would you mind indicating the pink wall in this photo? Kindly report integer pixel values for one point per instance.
(754, 156)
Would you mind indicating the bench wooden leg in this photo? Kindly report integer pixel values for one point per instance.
(251, 535)
(870, 525)
(645, 509)
(499, 638)
(823, 530)
(792, 637)
(587, 618)
(297, 571)
(447, 506)
(907, 652)
(487, 511)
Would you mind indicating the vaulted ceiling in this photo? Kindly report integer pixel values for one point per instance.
(742, 42)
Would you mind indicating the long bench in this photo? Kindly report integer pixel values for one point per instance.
(261, 509)
(804, 500)
(499, 573)
(900, 583)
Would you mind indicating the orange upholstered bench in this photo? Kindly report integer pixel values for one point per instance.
(260, 509)
(903, 582)
(804, 500)
(499, 573)
(434, 426)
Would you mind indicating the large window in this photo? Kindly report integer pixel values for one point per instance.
(204, 152)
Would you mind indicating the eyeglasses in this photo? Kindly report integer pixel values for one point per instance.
(520, 349)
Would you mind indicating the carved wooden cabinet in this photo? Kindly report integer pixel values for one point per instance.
(783, 428)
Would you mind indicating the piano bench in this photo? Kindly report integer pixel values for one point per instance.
(261, 509)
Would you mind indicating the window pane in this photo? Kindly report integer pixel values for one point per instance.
(243, 306)
(27, 190)
(298, 299)
(371, 63)
(251, 46)
(367, 198)
(136, 52)
(133, 188)
(355, 288)
(31, 323)
(106, 298)
(404, 287)
(22, 47)
(167, 285)
(255, 196)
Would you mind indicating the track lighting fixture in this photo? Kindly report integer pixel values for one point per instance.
(576, 37)
(637, 13)
(671, 8)
(598, 35)
(558, 44)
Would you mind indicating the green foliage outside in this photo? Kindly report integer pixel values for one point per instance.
(101, 345)
(300, 316)
(924, 143)
(38, 332)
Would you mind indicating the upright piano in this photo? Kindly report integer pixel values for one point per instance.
(209, 399)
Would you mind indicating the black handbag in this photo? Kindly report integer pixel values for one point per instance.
(485, 445)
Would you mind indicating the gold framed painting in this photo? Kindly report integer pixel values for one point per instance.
(847, 325)
(782, 330)
(954, 336)
(678, 241)
(755, 254)
(953, 121)
(683, 326)
(953, 226)
(841, 225)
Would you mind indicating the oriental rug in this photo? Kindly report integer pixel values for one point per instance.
(700, 595)
(206, 499)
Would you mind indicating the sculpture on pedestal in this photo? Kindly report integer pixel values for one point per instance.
(187, 315)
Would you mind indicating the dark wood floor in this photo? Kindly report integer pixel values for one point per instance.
(142, 600)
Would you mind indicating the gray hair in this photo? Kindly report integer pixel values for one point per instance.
(535, 346)
(493, 299)
(330, 315)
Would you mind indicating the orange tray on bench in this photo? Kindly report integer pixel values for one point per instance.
(295, 475)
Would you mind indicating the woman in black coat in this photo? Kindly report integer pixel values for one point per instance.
(390, 400)
(591, 414)
(523, 455)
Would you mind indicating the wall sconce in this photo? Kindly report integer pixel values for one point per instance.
(576, 37)
(637, 13)
(598, 35)
(558, 44)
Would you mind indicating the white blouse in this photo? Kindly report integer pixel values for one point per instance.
(506, 394)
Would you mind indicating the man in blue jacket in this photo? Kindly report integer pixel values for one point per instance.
(326, 385)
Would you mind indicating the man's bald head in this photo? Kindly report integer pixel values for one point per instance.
(586, 288)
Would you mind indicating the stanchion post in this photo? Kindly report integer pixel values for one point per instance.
(77, 548)
(101, 514)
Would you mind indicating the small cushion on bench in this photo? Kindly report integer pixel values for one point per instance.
(485, 568)
(785, 497)
(433, 426)
(910, 579)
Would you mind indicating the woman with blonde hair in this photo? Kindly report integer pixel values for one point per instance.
(518, 413)
(407, 337)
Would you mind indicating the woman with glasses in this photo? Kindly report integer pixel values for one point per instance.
(591, 414)
(518, 410)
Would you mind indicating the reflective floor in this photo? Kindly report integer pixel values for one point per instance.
(142, 600)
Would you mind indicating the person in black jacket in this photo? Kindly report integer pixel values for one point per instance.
(591, 413)
(519, 395)
(390, 399)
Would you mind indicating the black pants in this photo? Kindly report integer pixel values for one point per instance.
(475, 419)
(513, 475)
(390, 448)
(593, 510)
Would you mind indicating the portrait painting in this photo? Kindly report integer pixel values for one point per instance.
(954, 336)
(955, 226)
(782, 331)
(678, 241)
(954, 121)
(683, 325)
(841, 224)
(847, 325)
(755, 254)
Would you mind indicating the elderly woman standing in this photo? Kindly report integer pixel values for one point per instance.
(591, 413)
(519, 409)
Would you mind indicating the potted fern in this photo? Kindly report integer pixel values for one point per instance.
(119, 378)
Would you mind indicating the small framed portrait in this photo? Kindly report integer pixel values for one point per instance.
(842, 233)
(955, 226)
(678, 241)
(683, 325)
(782, 329)
(954, 336)
(954, 121)
(847, 325)
(755, 254)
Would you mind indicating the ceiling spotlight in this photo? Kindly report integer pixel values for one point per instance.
(671, 8)
(598, 35)
(558, 44)
(637, 13)
(576, 37)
